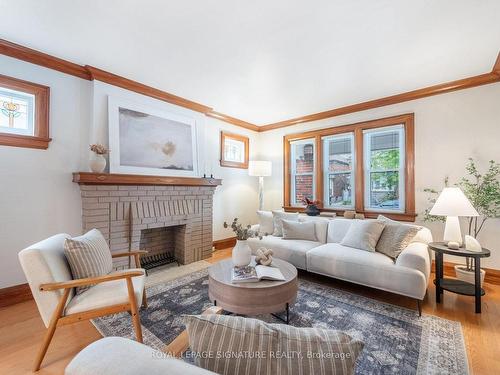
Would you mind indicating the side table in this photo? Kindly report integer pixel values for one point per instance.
(454, 285)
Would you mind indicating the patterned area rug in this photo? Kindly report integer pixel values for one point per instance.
(396, 340)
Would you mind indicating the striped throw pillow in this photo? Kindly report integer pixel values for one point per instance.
(88, 256)
(237, 345)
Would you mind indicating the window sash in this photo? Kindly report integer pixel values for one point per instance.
(368, 171)
(293, 171)
(325, 144)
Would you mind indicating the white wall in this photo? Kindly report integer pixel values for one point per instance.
(449, 129)
(237, 197)
(37, 197)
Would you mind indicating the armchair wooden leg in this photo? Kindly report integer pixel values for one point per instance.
(419, 307)
(144, 299)
(136, 320)
(51, 330)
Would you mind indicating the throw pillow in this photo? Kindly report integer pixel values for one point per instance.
(337, 229)
(363, 234)
(237, 345)
(88, 256)
(297, 230)
(320, 226)
(278, 216)
(265, 222)
(395, 237)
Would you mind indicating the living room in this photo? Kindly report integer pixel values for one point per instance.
(160, 160)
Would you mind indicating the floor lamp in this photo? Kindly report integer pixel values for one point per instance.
(260, 169)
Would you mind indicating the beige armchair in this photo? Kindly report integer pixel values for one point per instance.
(52, 286)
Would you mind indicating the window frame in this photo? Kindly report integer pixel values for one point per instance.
(324, 139)
(313, 173)
(367, 170)
(40, 138)
(406, 120)
(237, 137)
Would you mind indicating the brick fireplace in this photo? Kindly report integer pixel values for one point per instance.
(163, 216)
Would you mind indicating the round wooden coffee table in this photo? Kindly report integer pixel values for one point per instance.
(263, 297)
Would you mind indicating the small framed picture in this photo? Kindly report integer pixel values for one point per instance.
(233, 150)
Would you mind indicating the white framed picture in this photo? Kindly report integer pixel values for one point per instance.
(150, 141)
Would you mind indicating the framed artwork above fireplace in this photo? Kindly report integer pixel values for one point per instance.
(151, 141)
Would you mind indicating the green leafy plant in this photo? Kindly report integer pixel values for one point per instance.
(242, 233)
(483, 190)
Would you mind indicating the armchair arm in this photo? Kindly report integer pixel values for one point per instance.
(135, 253)
(89, 280)
(181, 343)
(129, 253)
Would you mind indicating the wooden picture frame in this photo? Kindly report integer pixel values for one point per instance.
(40, 138)
(237, 141)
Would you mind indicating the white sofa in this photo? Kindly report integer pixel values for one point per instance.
(408, 275)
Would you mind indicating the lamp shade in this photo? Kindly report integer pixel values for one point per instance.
(259, 168)
(453, 202)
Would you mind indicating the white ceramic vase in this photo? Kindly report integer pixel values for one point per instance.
(467, 276)
(242, 254)
(97, 163)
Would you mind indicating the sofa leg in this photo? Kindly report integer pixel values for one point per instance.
(419, 307)
(144, 299)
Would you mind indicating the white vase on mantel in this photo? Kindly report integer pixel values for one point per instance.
(97, 163)
(242, 254)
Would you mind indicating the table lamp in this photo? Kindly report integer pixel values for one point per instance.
(453, 203)
(260, 169)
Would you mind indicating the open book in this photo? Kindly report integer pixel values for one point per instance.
(252, 274)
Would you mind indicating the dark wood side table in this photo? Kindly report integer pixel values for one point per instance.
(454, 285)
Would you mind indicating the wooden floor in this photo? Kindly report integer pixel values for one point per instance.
(21, 328)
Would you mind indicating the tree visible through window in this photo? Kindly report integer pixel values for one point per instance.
(367, 167)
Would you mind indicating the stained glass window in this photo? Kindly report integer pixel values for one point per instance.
(17, 112)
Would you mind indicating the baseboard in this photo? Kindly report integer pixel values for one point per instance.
(492, 276)
(225, 243)
(15, 294)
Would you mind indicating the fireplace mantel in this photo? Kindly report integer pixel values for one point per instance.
(89, 178)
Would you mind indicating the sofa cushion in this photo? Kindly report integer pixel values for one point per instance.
(291, 251)
(265, 222)
(363, 234)
(121, 356)
(278, 216)
(320, 351)
(320, 226)
(88, 256)
(298, 230)
(367, 268)
(337, 228)
(106, 294)
(395, 237)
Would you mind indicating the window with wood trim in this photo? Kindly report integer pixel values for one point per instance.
(234, 150)
(24, 113)
(367, 167)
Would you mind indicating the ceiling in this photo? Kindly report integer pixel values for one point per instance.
(264, 61)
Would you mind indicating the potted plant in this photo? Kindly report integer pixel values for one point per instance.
(98, 162)
(311, 207)
(242, 254)
(483, 190)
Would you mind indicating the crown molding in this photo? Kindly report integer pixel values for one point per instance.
(39, 58)
(90, 73)
(461, 84)
(496, 67)
(125, 83)
(233, 120)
